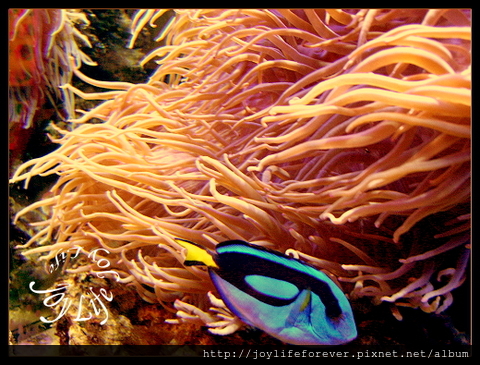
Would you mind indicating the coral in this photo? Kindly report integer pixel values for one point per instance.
(342, 137)
(40, 44)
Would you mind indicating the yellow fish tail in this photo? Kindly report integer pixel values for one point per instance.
(196, 255)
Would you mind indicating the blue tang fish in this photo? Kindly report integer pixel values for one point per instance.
(285, 297)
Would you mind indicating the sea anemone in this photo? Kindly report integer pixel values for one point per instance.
(40, 44)
(339, 137)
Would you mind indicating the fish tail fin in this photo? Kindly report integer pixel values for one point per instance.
(196, 255)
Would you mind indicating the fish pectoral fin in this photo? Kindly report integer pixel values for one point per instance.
(196, 255)
(306, 303)
(301, 309)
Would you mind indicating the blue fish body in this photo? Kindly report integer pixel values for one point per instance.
(285, 297)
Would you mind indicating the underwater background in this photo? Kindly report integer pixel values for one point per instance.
(132, 310)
